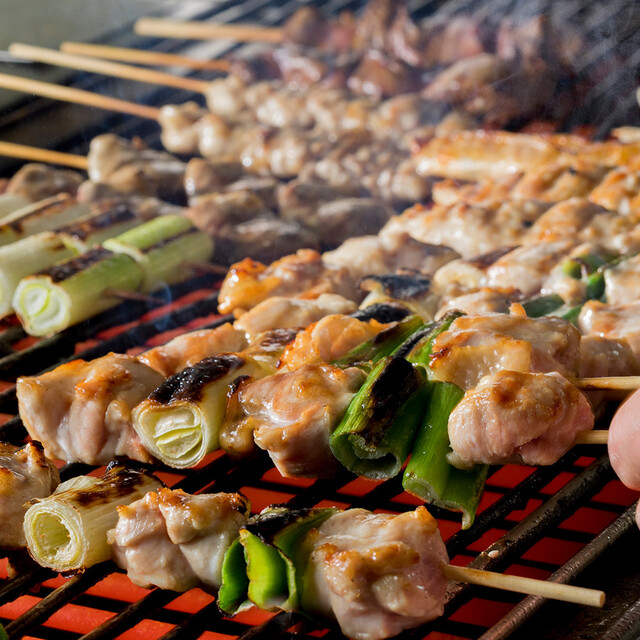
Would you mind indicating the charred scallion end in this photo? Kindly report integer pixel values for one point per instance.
(276, 555)
(26, 257)
(428, 474)
(73, 291)
(163, 247)
(103, 223)
(381, 345)
(179, 423)
(67, 531)
(375, 435)
(420, 351)
(45, 215)
(411, 290)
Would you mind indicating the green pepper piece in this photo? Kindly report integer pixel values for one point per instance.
(543, 305)
(233, 592)
(428, 474)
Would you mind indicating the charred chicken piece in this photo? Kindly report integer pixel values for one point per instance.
(202, 176)
(36, 182)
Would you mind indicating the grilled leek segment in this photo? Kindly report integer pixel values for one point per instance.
(67, 531)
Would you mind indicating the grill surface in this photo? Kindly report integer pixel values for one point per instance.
(572, 521)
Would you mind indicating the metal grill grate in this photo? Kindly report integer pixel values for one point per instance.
(555, 521)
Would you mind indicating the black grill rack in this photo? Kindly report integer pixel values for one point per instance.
(572, 521)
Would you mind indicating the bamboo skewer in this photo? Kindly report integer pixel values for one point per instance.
(620, 383)
(166, 28)
(530, 586)
(597, 436)
(78, 96)
(105, 67)
(141, 56)
(25, 152)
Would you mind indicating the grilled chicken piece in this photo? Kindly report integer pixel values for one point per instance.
(248, 282)
(601, 357)
(25, 474)
(174, 540)
(615, 232)
(526, 269)
(563, 221)
(292, 415)
(179, 125)
(129, 167)
(81, 411)
(619, 191)
(461, 276)
(471, 230)
(556, 183)
(617, 322)
(264, 238)
(622, 282)
(517, 417)
(485, 300)
(327, 340)
(36, 182)
(203, 176)
(341, 219)
(450, 38)
(264, 187)
(306, 26)
(226, 96)
(380, 75)
(377, 574)
(278, 312)
(384, 254)
(450, 191)
(299, 199)
(189, 348)
(214, 212)
(475, 346)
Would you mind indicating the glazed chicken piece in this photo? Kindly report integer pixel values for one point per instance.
(475, 346)
(484, 300)
(377, 574)
(517, 417)
(615, 232)
(292, 415)
(180, 124)
(278, 312)
(36, 182)
(618, 322)
(249, 282)
(174, 540)
(327, 340)
(563, 221)
(449, 192)
(189, 348)
(25, 474)
(81, 411)
(264, 238)
(129, 167)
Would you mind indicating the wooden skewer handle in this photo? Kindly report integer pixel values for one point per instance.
(78, 96)
(597, 436)
(165, 28)
(530, 586)
(105, 67)
(13, 150)
(142, 56)
(621, 383)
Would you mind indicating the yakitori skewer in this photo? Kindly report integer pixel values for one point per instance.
(142, 56)
(78, 96)
(25, 152)
(167, 28)
(105, 67)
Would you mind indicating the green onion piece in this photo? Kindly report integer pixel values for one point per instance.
(3, 633)
(163, 247)
(428, 474)
(543, 305)
(102, 224)
(73, 291)
(375, 435)
(384, 344)
(67, 531)
(572, 314)
(26, 257)
(595, 285)
(179, 423)
(45, 215)
(276, 556)
(234, 590)
(10, 202)
(421, 351)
